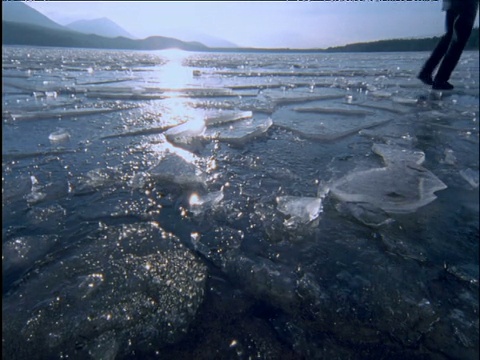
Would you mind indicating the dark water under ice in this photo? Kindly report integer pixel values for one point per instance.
(237, 206)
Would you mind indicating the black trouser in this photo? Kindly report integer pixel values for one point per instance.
(459, 26)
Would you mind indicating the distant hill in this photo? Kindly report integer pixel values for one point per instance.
(103, 27)
(17, 11)
(206, 39)
(426, 44)
(25, 34)
(22, 25)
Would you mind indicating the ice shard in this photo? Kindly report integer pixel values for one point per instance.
(329, 127)
(187, 135)
(174, 169)
(396, 155)
(226, 117)
(201, 203)
(400, 187)
(299, 210)
(240, 132)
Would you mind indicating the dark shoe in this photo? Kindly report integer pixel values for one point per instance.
(442, 85)
(425, 78)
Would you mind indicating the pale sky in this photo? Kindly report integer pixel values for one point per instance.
(294, 24)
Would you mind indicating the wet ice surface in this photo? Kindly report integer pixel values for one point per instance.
(187, 205)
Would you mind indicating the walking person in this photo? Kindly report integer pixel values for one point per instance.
(459, 20)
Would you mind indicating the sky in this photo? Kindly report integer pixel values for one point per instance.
(286, 24)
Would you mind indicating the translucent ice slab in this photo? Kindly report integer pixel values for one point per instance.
(329, 110)
(175, 169)
(49, 114)
(300, 210)
(20, 253)
(240, 132)
(201, 203)
(327, 127)
(227, 116)
(389, 106)
(396, 189)
(471, 176)
(293, 98)
(187, 135)
(393, 155)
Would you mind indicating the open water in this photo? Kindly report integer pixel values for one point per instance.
(183, 205)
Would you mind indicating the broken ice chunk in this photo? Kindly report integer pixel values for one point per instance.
(395, 155)
(187, 135)
(366, 213)
(36, 115)
(199, 204)
(395, 189)
(300, 210)
(471, 176)
(328, 128)
(242, 131)
(338, 111)
(175, 169)
(225, 117)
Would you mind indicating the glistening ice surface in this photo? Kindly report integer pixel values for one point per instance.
(182, 205)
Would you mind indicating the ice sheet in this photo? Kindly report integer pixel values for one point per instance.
(240, 132)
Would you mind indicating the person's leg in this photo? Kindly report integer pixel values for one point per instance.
(462, 29)
(437, 54)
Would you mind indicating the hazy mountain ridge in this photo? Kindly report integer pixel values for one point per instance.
(22, 25)
(423, 44)
(26, 34)
(101, 26)
(17, 11)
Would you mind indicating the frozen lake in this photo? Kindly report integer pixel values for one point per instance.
(237, 206)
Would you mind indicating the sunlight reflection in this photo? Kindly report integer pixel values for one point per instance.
(174, 78)
(173, 75)
(164, 147)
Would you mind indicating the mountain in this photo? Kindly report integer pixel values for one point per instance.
(191, 35)
(22, 25)
(103, 27)
(425, 44)
(208, 40)
(17, 11)
(14, 33)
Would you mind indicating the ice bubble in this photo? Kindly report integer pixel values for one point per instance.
(300, 210)
(60, 135)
